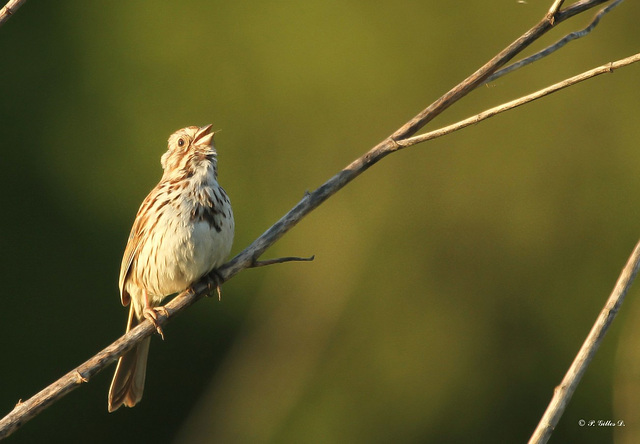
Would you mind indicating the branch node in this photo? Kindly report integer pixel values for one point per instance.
(396, 144)
(555, 8)
(9, 9)
(551, 18)
(610, 67)
(80, 378)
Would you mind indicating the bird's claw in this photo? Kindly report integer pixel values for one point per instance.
(213, 281)
(152, 315)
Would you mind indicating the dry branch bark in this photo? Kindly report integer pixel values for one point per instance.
(9, 9)
(562, 394)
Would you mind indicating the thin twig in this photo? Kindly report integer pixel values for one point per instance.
(559, 44)
(562, 394)
(9, 9)
(28, 409)
(555, 7)
(281, 260)
(609, 67)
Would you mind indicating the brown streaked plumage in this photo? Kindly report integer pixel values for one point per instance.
(183, 230)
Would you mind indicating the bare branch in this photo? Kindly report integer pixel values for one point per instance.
(562, 394)
(9, 9)
(559, 44)
(281, 260)
(609, 67)
(26, 410)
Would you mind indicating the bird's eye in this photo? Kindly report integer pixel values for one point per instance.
(181, 142)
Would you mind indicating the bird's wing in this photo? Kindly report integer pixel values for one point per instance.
(139, 232)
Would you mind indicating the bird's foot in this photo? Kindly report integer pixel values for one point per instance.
(214, 280)
(151, 313)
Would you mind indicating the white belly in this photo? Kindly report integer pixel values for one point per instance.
(180, 251)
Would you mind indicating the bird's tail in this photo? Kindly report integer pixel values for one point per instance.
(128, 381)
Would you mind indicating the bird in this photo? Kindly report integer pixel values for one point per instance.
(183, 231)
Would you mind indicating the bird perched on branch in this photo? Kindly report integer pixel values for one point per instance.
(183, 230)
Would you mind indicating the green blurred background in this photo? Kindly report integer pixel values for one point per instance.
(453, 282)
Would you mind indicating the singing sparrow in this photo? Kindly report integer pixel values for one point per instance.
(183, 230)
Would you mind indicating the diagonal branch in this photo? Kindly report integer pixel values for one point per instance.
(563, 393)
(9, 9)
(24, 411)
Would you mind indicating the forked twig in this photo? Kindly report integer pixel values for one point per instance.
(553, 10)
(608, 68)
(559, 44)
(480, 76)
(563, 393)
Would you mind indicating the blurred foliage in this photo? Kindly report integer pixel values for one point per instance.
(453, 283)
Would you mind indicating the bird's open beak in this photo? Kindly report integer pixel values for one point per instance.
(204, 136)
